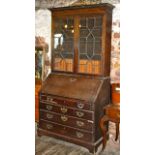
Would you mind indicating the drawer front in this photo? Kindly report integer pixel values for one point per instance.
(67, 111)
(59, 129)
(65, 102)
(67, 120)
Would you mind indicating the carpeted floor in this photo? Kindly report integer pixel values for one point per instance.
(51, 146)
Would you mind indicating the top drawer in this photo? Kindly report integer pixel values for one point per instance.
(65, 102)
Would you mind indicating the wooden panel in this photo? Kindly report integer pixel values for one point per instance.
(78, 87)
(103, 99)
(107, 43)
(62, 13)
(76, 42)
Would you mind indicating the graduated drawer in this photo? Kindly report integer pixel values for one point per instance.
(67, 131)
(65, 102)
(67, 120)
(67, 111)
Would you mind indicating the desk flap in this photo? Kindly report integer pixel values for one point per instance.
(70, 86)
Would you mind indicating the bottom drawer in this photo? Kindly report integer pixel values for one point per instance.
(67, 131)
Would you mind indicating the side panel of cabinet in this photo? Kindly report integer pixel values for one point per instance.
(107, 44)
(102, 100)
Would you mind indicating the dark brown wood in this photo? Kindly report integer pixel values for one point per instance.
(76, 42)
(117, 130)
(88, 9)
(62, 101)
(81, 88)
(52, 43)
(92, 147)
(66, 130)
(67, 120)
(67, 110)
(107, 49)
(71, 103)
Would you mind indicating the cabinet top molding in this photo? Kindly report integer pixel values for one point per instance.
(103, 5)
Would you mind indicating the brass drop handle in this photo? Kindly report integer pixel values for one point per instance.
(80, 105)
(64, 118)
(64, 109)
(49, 107)
(79, 134)
(49, 116)
(49, 126)
(79, 123)
(79, 114)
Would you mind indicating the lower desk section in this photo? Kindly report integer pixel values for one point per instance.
(61, 97)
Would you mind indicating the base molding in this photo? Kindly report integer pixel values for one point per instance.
(92, 147)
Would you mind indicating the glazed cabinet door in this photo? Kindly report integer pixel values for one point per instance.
(90, 44)
(63, 44)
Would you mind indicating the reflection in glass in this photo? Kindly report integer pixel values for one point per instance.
(63, 50)
(90, 45)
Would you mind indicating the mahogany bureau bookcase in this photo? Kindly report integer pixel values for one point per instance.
(73, 95)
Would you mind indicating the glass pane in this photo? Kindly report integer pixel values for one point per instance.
(90, 45)
(63, 48)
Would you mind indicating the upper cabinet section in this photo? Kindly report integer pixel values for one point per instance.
(81, 39)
